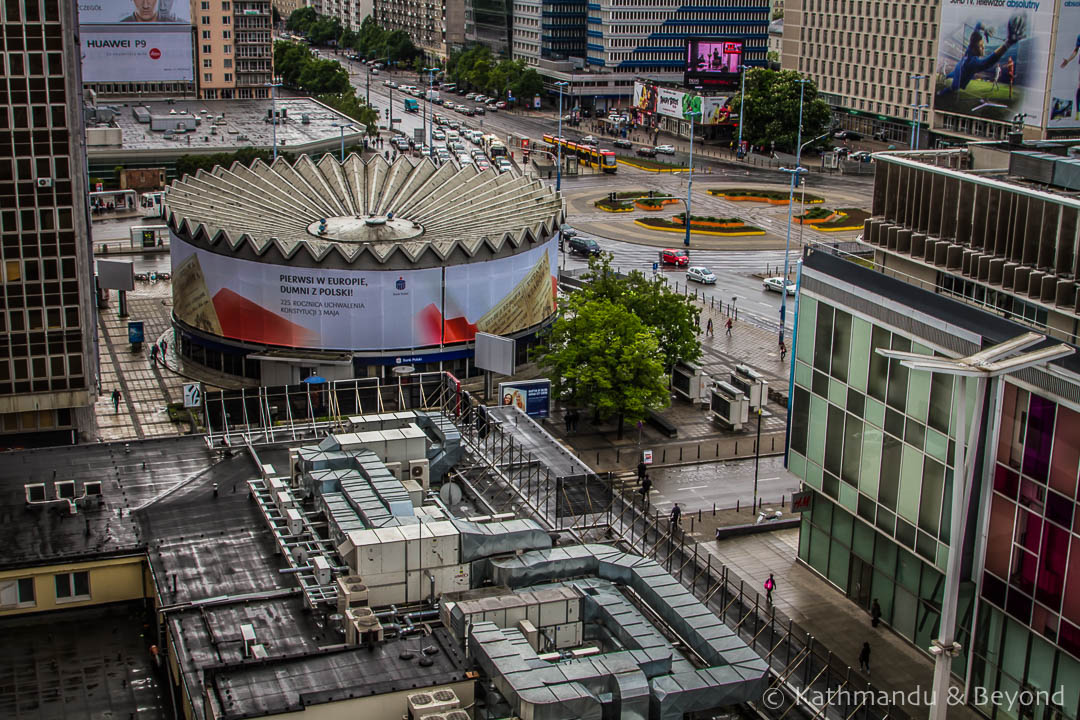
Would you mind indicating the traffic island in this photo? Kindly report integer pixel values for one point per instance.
(624, 201)
(648, 164)
(720, 227)
(770, 197)
(844, 219)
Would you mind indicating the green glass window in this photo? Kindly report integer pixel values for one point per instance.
(859, 355)
(879, 366)
(940, 410)
(834, 440)
(815, 449)
(918, 394)
(933, 482)
(870, 461)
(800, 419)
(823, 339)
(804, 347)
(907, 503)
(889, 484)
(853, 430)
(841, 345)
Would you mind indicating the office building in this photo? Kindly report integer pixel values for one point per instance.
(235, 49)
(434, 26)
(966, 255)
(525, 42)
(861, 55)
(48, 331)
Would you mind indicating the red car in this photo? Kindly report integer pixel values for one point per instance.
(678, 258)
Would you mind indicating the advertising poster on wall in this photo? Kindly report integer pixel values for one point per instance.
(669, 102)
(531, 396)
(645, 97)
(135, 53)
(715, 110)
(111, 12)
(992, 59)
(1064, 110)
(335, 309)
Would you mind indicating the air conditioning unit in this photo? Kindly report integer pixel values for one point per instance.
(457, 715)
(44, 182)
(65, 489)
(92, 488)
(362, 626)
(351, 593)
(35, 492)
(435, 701)
(420, 472)
(395, 469)
(247, 633)
(294, 467)
(323, 571)
(295, 521)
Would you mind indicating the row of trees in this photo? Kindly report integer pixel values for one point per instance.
(477, 69)
(325, 79)
(372, 41)
(615, 342)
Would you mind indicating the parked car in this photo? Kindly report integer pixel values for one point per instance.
(841, 151)
(847, 135)
(776, 283)
(861, 156)
(501, 104)
(584, 246)
(479, 110)
(678, 258)
(438, 135)
(589, 140)
(622, 143)
(701, 274)
(567, 232)
(646, 151)
(665, 149)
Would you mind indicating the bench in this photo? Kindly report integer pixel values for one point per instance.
(662, 424)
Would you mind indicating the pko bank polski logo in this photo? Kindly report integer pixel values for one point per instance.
(400, 284)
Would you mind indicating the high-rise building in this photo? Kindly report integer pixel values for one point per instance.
(861, 54)
(48, 338)
(350, 13)
(525, 42)
(489, 22)
(434, 26)
(234, 48)
(965, 256)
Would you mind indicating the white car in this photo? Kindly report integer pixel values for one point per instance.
(589, 140)
(464, 159)
(776, 283)
(701, 274)
(665, 149)
(438, 135)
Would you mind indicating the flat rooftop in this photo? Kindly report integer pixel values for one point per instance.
(243, 119)
(131, 475)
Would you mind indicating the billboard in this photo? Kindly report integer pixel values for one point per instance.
(113, 12)
(532, 396)
(135, 53)
(1064, 110)
(342, 309)
(713, 56)
(992, 59)
(644, 97)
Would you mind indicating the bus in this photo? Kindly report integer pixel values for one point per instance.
(411, 106)
(493, 147)
(586, 154)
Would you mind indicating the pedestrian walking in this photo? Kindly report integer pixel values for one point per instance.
(642, 469)
(864, 658)
(646, 487)
(153, 354)
(783, 350)
(116, 400)
(875, 613)
(708, 327)
(729, 326)
(770, 585)
(164, 349)
(676, 515)
(568, 420)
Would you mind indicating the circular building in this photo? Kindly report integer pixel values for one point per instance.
(344, 269)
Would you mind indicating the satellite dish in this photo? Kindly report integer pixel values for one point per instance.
(450, 494)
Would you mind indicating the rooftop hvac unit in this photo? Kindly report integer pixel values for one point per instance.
(294, 467)
(729, 405)
(295, 521)
(351, 593)
(361, 626)
(247, 633)
(92, 487)
(35, 492)
(395, 469)
(435, 701)
(457, 715)
(433, 716)
(284, 500)
(65, 489)
(420, 472)
(323, 574)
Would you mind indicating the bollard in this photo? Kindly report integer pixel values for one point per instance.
(617, 455)
(680, 453)
(714, 508)
(774, 442)
(699, 451)
(691, 523)
(663, 456)
(783, 499)
(736, 447)
(737, 506)
(699, 514)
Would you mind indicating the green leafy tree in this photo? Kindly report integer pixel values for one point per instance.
(301, 19)
(602, 356)
(191, 164)
(528, 84)
(772, 109)
(672, 316)
(349, 104)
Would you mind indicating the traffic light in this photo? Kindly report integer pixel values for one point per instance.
(387, 111)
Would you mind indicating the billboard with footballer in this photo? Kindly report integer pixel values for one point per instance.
(136, 53)
(992, 59)
(342, 309)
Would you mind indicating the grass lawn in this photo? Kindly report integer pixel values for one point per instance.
(648, 163)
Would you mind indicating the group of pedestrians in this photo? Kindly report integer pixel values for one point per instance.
(709, 327)
(159, 348)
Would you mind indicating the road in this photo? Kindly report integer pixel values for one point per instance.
(697, 487)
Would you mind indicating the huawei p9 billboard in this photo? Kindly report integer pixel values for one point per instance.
(337, 309)
(136, 41)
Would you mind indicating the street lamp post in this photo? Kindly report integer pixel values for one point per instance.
(986, 366)
(791, 202)
(915, 110)
(757, 456)
(558, 167)
(690, 176)
(343, 127)
(429, 126)
(802, 202)
(273, 112)
(742, 106)
(916, 113)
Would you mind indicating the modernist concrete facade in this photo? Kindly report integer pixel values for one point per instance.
(435, 26)
(48, 338)
(234, 50)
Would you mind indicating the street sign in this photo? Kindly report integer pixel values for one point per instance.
(655, 267)
(802, 501)
(135, 332)
(646, 457)
(192, 395)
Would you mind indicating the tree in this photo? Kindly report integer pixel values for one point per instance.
(348, 104)
(600, 355)
(672, 317)
(772, 109)
(301, 19)
(528, 85)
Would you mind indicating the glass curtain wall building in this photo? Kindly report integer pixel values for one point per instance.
(874, 441)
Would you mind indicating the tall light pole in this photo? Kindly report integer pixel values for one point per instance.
(742, 106)
(558, 168)
(343, 127)
(802, 202)
(915, 110)
(428, 127)
(273, 110)
(986, 366)
(791, 203)
(690, 176)
(916, 113)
